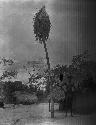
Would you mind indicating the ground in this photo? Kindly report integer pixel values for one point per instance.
(38, 114)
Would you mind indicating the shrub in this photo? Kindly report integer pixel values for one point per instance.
(25, 98)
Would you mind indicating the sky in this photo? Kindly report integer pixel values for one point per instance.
(73, 29)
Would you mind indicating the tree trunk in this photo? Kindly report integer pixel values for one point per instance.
(48, 63)
(52, 108)
(49, 105)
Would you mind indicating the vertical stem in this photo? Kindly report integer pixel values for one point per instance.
(47, 57)
(49, 105)
(48, 63)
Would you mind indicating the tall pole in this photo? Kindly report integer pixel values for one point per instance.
(49, 81)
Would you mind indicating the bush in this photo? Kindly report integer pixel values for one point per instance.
(25, 98)
(10, 88)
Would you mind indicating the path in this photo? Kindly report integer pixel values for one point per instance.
(38, 114)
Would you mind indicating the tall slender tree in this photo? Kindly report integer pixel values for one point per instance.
(42, 26)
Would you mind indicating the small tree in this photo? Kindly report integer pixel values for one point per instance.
(42, 26)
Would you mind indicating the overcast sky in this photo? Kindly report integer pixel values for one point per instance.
(73, 29)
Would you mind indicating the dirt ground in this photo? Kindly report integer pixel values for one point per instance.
(38, 114)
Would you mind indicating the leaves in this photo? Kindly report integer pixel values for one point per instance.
(8, 69)
(41, 25)
(80, 60)
(74, 76)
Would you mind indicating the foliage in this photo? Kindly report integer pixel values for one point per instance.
(80, 60)
(85, 70)
(77, 77)
(41, 25)
(33, 68)
(25, 97)
(35, 71)
(11, 87)
(7, 68)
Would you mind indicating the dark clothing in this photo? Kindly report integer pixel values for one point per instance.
(68, 101)
(1, 105)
